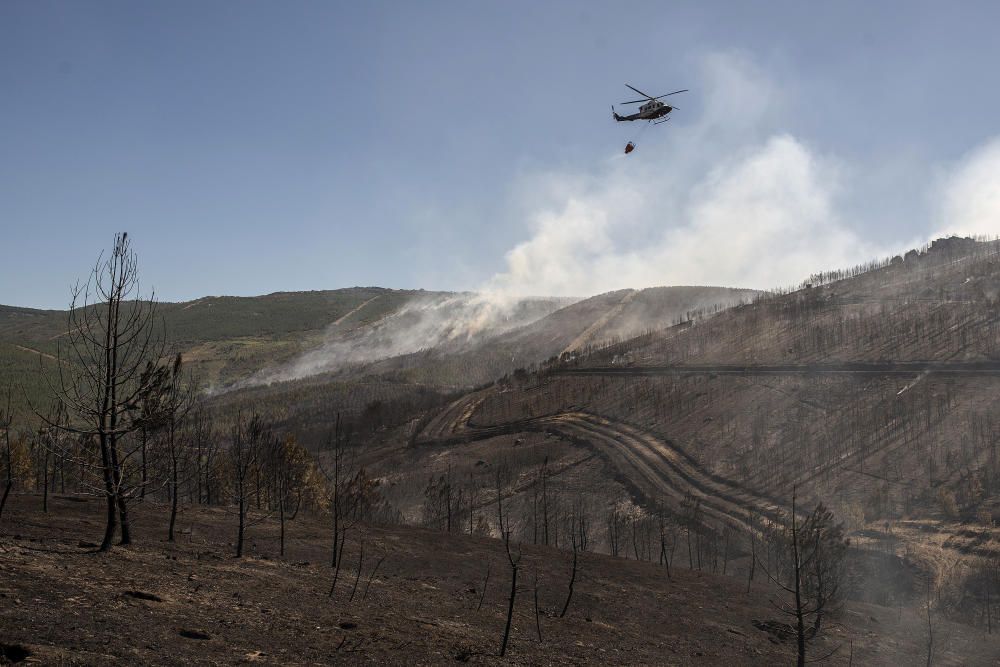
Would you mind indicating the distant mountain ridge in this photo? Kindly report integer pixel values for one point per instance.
(222, 337)
(437, 339)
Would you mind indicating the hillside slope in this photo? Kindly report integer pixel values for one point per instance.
(387, 391)
(793, 391)
(191, 602)
(597, 320)
(223, 338)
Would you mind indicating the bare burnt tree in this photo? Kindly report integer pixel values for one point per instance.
(572, 578)
(289, 466)
(371, 575)
(178, 396)
(48, 444)
(989, 582)
(148, 415)
(815, 547)
(443, 503)
(361, 563)
(339, 475)
(473, 493)
(486, 584)
(204, 439)
(667, 533)
(515, 562)
(826, 551)
(691, 520)
(615, 525)
(6, 423)
(248, 438)
(726, 534)
(502, 476)
(538, 622)
(540, 504)
(352, 495)
(753, 522)
(930, 625)
(110, 339)
(281, 464)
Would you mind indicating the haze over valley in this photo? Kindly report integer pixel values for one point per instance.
(717, 391)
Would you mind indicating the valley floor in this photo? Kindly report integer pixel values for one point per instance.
(191, 602)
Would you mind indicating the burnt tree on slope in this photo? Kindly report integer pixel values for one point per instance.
(111, 337)
(178, 397)
(249, 436)
(6, 422)
(815, 548)
(204, 440)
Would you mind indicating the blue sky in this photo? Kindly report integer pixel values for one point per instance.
(250, 147)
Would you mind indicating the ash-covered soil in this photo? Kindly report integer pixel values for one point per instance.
(192, 602)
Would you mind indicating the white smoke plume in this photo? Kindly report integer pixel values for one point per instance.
(971, 195)
(727, 201)
(760, 219)
(731, 200)
(717, 209)
(422, 323)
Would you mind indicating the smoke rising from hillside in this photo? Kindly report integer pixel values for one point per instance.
(732, 200)
(971, 197)
(422, 323)
(728, 201)
(763, 219)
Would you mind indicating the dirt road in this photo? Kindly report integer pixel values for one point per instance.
(832, 368)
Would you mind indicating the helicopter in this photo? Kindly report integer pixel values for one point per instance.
(651, 110)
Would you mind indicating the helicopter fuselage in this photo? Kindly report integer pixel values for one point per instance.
(648, 111)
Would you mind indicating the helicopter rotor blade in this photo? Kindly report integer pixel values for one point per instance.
(638, 91)
(652, 98)
(669, 94)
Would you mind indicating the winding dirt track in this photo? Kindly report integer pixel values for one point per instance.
(834, 368)
(653, 469)
(32, 350)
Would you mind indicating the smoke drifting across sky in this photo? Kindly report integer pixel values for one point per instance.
(971, 199)
(425, 322)
(731, 200)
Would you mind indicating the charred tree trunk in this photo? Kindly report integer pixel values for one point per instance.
(173, 501)
(486, 583)
(111, 516)
(45, 482)
(510, 608)
(572, 580)
(371, 576)
(538, 623)
(242, 526)
(6, 418)
(145, 474)
(6, 492)
(357, 576)
(281, 521)
(123, 517)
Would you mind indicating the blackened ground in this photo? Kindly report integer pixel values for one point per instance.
(193, 603)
